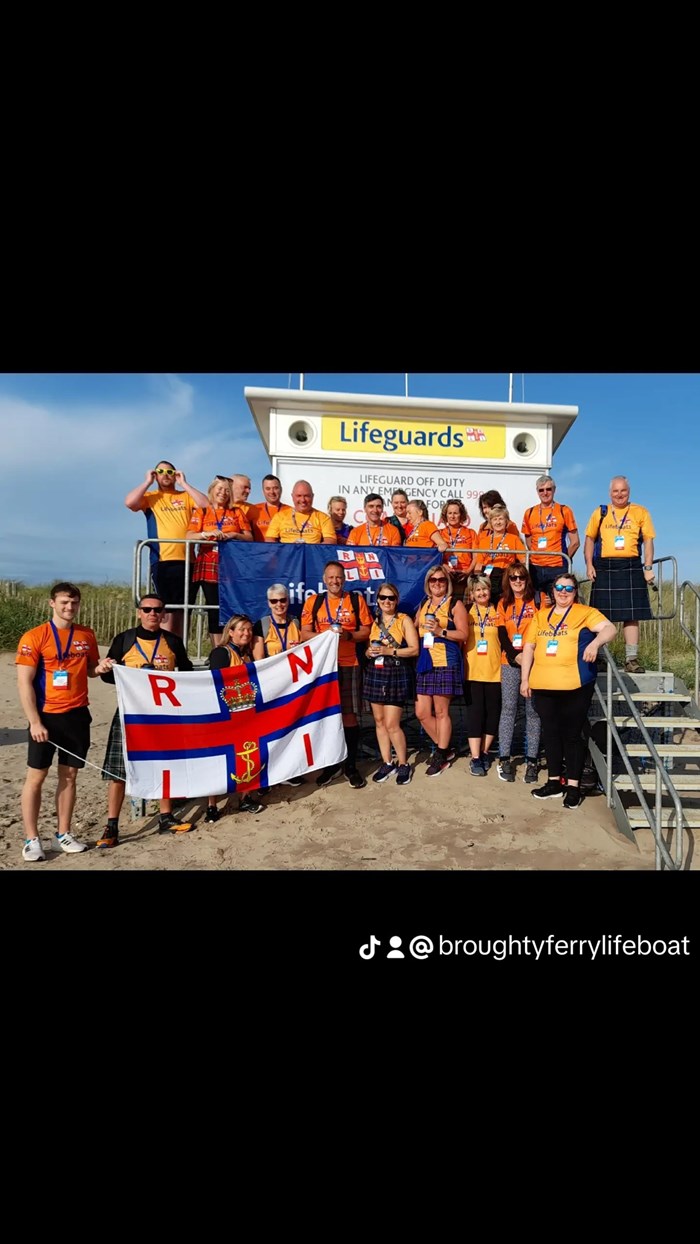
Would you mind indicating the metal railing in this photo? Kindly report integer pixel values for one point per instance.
(140, 584)
(694, 638)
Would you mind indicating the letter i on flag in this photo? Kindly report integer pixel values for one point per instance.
(248, 727)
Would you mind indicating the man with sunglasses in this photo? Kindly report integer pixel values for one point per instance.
(550, 530)
(168, 513)
(146, 646)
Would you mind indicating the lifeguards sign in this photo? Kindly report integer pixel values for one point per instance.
(403, 436)
(211, 732)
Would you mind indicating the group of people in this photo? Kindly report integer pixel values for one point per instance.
(500, 619)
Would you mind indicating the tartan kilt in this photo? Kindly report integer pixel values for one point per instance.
(620, 591)
(446, 681)
(114, 756)
(350, 689)
(391, 685)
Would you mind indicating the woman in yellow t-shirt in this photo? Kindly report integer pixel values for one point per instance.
(560, 650)
(482, 688)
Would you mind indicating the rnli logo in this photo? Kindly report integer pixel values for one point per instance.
(239, 696)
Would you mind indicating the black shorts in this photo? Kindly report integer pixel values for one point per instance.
(71, 730)
(170, 581)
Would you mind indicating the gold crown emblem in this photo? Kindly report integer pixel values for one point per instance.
(239, 696)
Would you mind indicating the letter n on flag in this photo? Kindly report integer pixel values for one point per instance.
(211, 732)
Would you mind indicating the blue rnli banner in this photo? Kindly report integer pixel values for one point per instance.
(246, 571)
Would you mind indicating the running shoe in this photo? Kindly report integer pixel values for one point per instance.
(169, 824)
(573, 797)
(68, 844)
(550, 790)
(211, 815)
(438, 764)
(531, 772)
(32, 851)
(403, 775)
(476, 768)
(355, 779)
(108, 839)
(250, 803)
(384, 773)
(504, 769)
(326, 776)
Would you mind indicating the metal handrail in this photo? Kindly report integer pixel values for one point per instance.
(694, 639)
(186, 607)
(661, 774)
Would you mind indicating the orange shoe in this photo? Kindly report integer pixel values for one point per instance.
(169, 824)
(107, 841)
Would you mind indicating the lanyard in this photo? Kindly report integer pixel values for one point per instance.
(517, 624)
(220, 524)
(379, 534)
(305, 524)
(431, 608)
(456, 538)
(235, 648)
(383, 632)
(501, 545)
(544, 525)
(152, 659)
(561, 621)
(62, 655)
(285, 626)
(482, 625)
(338, 614)
(624, 518)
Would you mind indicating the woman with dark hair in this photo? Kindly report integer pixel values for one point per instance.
(388, 681)
(558, 671)
(236, 648)
(515, 611)
(443, 628)
(217, 521)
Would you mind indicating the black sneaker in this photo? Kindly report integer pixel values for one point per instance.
(212, 814)
(438, 764)
(384, 772)
(486, 761)
(169, 824)
(251, 803)
(293, 781)
(326, 776)
(355, 779)
(403, 775)
(550, 790)
(573, 797)
(531, 772)
(504, 770)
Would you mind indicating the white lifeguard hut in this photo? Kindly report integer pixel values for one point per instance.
(352, 444)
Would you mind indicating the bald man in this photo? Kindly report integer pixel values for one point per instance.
(300, 523)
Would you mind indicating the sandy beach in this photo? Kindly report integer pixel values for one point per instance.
(450, 822)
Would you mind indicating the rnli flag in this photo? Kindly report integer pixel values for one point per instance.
(248, 727)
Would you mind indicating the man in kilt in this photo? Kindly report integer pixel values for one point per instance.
(615, 538)
(145, 646)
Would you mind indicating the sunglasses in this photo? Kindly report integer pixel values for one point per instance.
(277, 600)
(518, 578)
(561, 587)
(151, 608)
(386, 598)
(225, 479)
(440, 580)
(545, 490)
(164, 471)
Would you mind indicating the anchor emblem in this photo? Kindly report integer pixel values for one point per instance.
(247, 757)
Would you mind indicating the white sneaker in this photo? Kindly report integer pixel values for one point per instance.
(69, 845)
(32, 850)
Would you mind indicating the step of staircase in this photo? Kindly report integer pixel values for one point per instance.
(665, 749)
(691, 818)
(660, 723)
(662, 697)
(681, 781)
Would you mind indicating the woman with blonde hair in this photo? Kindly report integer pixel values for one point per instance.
(236, 648)
(443, 628)
(388, 681)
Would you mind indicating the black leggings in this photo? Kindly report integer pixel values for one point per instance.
(563, 715)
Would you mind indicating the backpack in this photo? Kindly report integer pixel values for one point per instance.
(266, 624)
(353, 600)
(598, 542)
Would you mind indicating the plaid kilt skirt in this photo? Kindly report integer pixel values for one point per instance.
(620, 591)
(350, 689)
(114, 756)
(392, 684)
(446, 681)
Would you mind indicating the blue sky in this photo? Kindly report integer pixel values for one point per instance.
(74, 444)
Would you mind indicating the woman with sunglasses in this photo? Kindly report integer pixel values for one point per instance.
(558, 670)
(482, 687)
(217, 521)
(388, 681)
(236, 648)
(276, 632)
(515, 611)
(443, 628)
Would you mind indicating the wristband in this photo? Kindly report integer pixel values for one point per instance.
(647, 567)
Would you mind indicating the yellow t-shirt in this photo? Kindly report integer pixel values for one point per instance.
(168, 516)
(483, 663)
(558, 665)
(291, 528)
(621, 529)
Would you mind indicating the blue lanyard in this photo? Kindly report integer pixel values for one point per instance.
(482, 625)
(624, 518)
(236, 649)
(449, 534)
(544, 525)
(517, 624)
(379, 534)
(337, 616)
(152, 659)
(501, 545)
(278, 634)
(223, 520)
(62, 655)
(561, 621)
(305, 524)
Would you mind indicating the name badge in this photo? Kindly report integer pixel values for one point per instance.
(379, 663)
(428, 641)
(488, 569)
(60, 678)
(336, 627)
(542, 542)
(482, 647)
(454, 560)
(619, 542)
(552, 645)
(517, 641)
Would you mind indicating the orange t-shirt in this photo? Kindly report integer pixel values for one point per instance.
(344, 613)
(422, 536)
(260, 516)
(546, 528)
(375, 533)
(499, 546)
(38, 648)
(457, 555)
(516, 618)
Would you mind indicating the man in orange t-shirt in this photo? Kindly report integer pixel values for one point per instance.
(54, 662)
(377, 530)
(261, 514)
(333, 610)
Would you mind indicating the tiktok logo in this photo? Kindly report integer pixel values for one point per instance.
(367, 951)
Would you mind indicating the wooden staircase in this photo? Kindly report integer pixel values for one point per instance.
(670, 715)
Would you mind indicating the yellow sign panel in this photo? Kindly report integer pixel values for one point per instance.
(405, 436)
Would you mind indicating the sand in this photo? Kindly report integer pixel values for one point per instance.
(450, 822)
